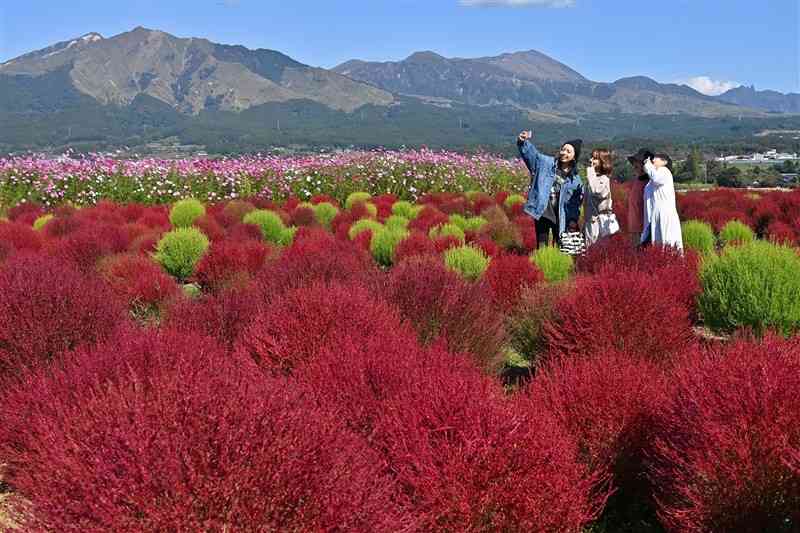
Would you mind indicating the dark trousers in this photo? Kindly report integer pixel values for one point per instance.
(544, 227)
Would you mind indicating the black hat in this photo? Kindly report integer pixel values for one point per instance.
(640, 156)
(577, 144)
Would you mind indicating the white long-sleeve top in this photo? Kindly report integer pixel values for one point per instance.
(661, 221)
(597, 209)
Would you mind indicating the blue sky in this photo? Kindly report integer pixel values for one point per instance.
(740, 41)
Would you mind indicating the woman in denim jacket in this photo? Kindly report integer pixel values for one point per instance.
(556, 191)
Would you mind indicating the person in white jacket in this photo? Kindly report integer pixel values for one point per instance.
(662, 226)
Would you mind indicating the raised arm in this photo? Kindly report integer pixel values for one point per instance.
(529, 154)
(659, 176)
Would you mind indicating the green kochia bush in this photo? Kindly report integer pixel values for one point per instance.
(383, 244)
(396, 221)
(475, 224)
(42, 220)
(734, 232)
(755, 285)
(363, 225)
(554, 265)
(325, 212)
(185, 212)
(698, 236)
(357, 197)
(179, 251)
(468, 261)
(447, 230)
(272, 227)
(406, 209)
(514, 199)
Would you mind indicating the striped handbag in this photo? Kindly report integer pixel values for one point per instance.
(573, 243)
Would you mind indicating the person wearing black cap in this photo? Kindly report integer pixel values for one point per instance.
(635, 221)
(556, 191)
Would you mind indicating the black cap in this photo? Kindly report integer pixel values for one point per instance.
(577, 144)
(640, 156)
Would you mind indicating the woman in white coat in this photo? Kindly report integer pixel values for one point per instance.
(662, 226)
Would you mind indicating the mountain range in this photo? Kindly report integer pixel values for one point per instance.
(144, 85)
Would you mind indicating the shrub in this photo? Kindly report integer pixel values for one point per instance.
(525, 322)
(365, 224)
(698, 236)
(442, 307)
(630, 312)
(241, 453)
(316, 256)
(237, 209)
(29, 210)
(325, 212)
(734, 232)
(299, 324)
(725, 436)
(91, 242)
(782, 233)
(231, 262)
(42, 220)
(244, 232)
(210, 227)
(447, 230)
(468, 261)
(458, 220)
(357, 198)
(465, 459)
(139, 283)
(609, 403)
(363, 210)
(272, 227)
(475, 224)
(507, 276)
(554, 265)
(513, 199)
(179, 251)
(20, 237)
(428, 218)
(406, 209)
(755, 286)
(500, 229)
(384, 242)
(415, 244)
(48, 307)
(185, 212)
(221, 316)
(303, 215)
(470, 462)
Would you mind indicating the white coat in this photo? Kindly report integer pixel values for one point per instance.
(661, 222)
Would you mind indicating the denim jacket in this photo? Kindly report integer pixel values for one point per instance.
(543, 172)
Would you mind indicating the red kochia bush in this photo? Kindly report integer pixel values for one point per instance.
(506, 277)
(609, 403)
(417, 243)
(221, 316)
(139, 283)
(464, 456)
(26, 210)
(298, 325)
(48, 307)
(727, 433)
(429, 217)
(675, 272)
(19, 237)
(90, 243)
(173, 435)
(231, 262)
(631, 312)
(444, 308)
(315, 256)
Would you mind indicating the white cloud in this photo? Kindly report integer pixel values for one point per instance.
(517, 3)
(705, 85)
